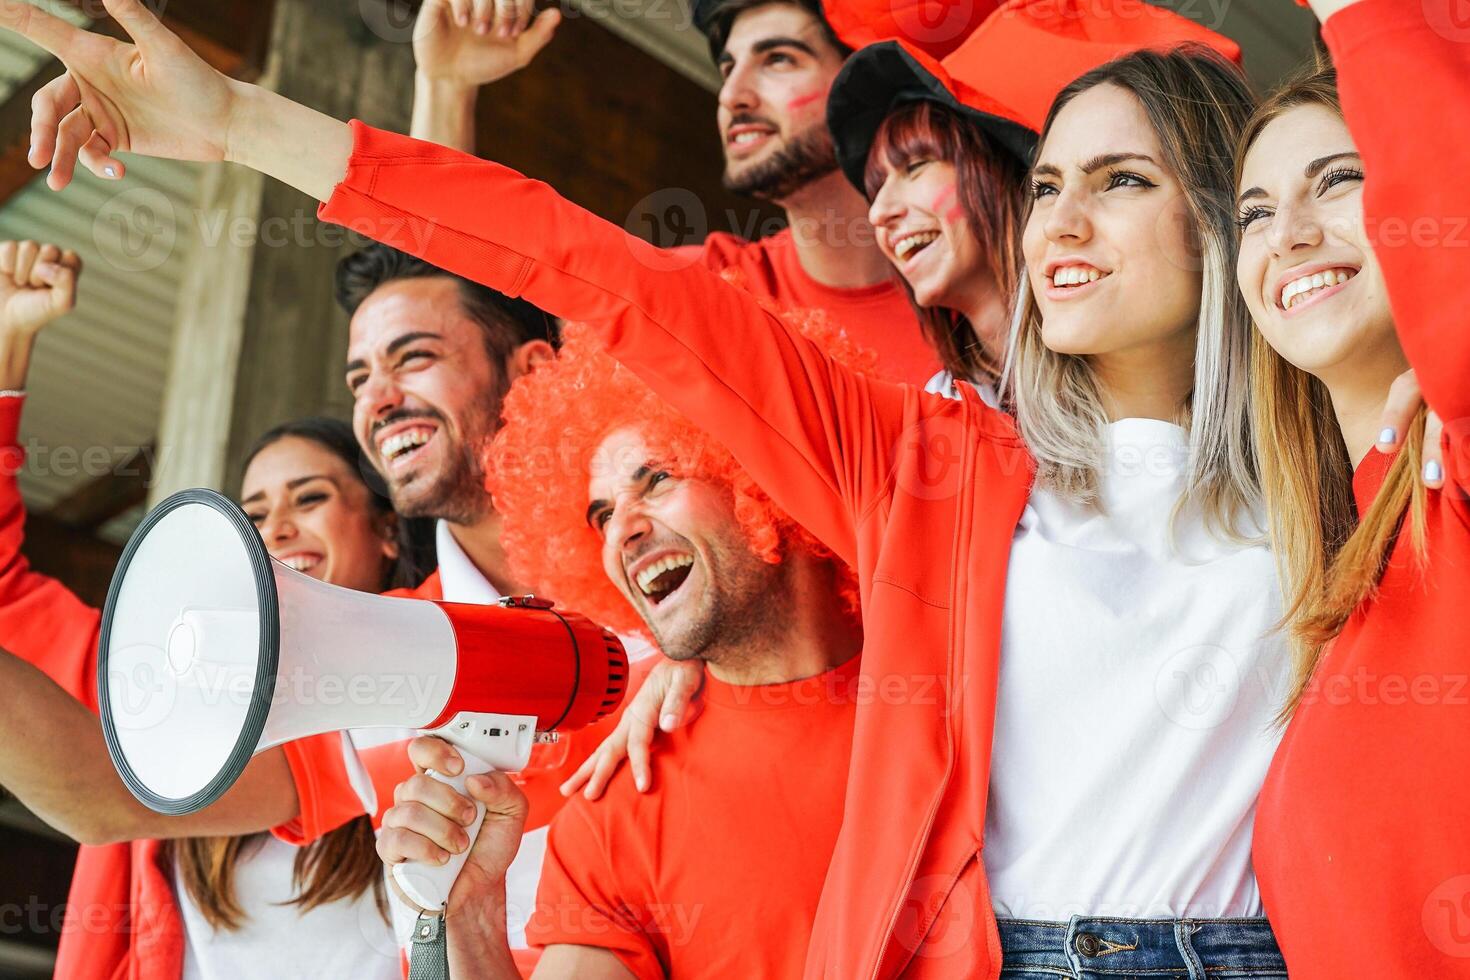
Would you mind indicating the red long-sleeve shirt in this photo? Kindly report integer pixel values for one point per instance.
(1362, 837)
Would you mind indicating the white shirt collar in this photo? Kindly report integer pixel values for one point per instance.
(458, 576)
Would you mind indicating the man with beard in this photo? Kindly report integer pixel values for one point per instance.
(612, 499)
(777, 59)
(430, 357)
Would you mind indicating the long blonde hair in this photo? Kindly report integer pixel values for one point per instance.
(1329, 560)
(1197, 102)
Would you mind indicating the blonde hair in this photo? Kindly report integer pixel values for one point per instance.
(1197, 102)
(1329, 561)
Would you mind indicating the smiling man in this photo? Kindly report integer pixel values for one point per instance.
(614, 501)
(777, 60)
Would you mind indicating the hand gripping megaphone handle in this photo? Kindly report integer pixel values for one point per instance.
(487, 743)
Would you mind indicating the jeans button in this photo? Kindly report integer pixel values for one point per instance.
(1088, 944)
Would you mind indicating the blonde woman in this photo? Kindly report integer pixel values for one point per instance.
(1347, 202)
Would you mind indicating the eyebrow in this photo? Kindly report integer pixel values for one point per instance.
(640, 475)
(770, 44)
(1094, 164)
(1310, 171)
(397, 344)
(291, 485)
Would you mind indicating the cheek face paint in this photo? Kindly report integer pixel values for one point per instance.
(802, 101)
(947, 205)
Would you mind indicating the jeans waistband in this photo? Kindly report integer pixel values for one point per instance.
(1100, 947)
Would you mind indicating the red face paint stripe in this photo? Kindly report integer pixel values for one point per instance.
(805, 100)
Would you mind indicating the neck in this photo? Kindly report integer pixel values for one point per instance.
(480, 542)
(834, 242)
(1151, 381)
(811, 634)
(1359, 395)
(989, 314)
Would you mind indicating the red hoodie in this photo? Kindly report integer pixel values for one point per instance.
(1362, 837)
(919, 493)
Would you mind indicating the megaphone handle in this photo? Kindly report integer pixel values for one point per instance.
(428, 885)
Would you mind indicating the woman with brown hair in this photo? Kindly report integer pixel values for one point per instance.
(1352, 214)
(203, 907)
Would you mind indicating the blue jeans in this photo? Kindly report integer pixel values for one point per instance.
(1138, 949)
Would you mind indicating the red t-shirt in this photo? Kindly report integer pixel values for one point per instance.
(716, 871)
(879, 317)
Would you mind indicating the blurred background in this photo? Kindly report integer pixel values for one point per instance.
(206, 311)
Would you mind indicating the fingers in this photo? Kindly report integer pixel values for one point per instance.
(49, 106)
(25, 260)
(140, 23)
(428, 752)
(7, 258)
(539, 34)
(685, 682)
(608, 761)
(398, 843)
(511, 17)
(460, 11)
(438, 796)
(486, 15)
(73, 133)
(1404, 399)
(1433, 472)
(503, 799)
(36, 25)
(640, 751)
(578, 778)
(97, 157)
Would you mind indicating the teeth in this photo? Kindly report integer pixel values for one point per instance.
(300, 563)
(646, 577)
(1075, 275)
(750, 136)
(398, 444)
(908, 243)
(1301, 288)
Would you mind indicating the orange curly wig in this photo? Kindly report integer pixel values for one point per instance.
(554, 419)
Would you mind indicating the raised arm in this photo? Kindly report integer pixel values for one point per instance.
(817, 437)
(1403, 69)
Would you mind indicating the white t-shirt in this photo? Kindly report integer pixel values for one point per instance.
(1139, 680)
(347, 939)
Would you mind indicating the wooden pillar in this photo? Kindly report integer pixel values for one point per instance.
(259, 337)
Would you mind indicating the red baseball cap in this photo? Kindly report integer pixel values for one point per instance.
(935, 27)
(1006, 74)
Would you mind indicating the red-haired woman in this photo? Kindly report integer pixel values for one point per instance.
(1353, 214)
(237, 903)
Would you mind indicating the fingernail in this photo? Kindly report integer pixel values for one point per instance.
(110, 171)
(668, 721)
(1433, 472)
(467, 816)
(1388, 436)
(641, 783)
(443, 858)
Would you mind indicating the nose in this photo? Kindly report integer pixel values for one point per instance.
(1068, 220)
(887, 207)
(277, 529)
(378, 396)
(1293, 226)
(628, 526)
(736, 94)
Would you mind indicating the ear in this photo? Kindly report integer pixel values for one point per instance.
(527, 356)
(388, 531)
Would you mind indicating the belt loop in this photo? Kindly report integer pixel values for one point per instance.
(1183, 933)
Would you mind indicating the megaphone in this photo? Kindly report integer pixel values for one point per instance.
(210, 652)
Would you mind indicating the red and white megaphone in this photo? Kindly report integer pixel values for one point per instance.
(211, 652)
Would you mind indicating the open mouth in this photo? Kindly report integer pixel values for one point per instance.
(1305, 289)
(747, 137)
(301, 561)
(913, 243)
(663, 578)
(403, 446)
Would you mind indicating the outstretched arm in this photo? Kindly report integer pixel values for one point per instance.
(820, 439)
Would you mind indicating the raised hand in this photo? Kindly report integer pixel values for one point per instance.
(154, 96)
(667, 700)
(1404, 401)
(38, 283)
(470, 43)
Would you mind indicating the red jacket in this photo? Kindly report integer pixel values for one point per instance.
(921, 494)
(1362, 838)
